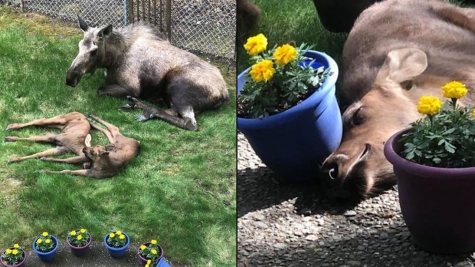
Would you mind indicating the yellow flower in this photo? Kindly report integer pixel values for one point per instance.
(285, 54)
(154, 251)
(47, 241)
(121, 236)
(256, 44)
(154, 242)
(149, 261)
(143, 247)
(473, 112)
(16, 246)
(45, 234)
(118, 233)
(262, 71)
(147, 265)
(8, 251)
(39, 241)
(111, 235)
(82, 231)
(79, 237)
(73, 233)
(15, 251)
(429, 105)
(454, 89)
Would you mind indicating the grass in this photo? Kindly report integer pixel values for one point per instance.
(293, 20)
(180, 190)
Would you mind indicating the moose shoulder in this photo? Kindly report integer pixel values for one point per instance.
(140, 63)
(397, 51)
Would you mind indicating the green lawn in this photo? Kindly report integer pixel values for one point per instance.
(293, 20)
(180, 190)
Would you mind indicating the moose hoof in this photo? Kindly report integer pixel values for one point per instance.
(126, 107)
(142, 118)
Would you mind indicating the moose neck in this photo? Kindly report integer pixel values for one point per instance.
(115, 47)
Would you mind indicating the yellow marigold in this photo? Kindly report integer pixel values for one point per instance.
(16, 246)
(45, 234)
(73, 233)
(121, 236)
(143, 247)
(118, 232)
(262, 71)
(8, 251)
(154, 242)
(256, 44)
(147, 265)
(154, 251)
(111, 235)
(285, 54)
(47, 241)
(79, 237)
(429, 105)
(149, 261)
(15, 251)
(454, 89)
(82, 231)
(39, 241)
(473, 112)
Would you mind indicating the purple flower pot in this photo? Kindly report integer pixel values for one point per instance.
(20, 264)
(144, 260)
(80, 251)
(436, 203)
(50, 255)
(295, 142)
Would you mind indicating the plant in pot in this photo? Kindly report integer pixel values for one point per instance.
(13, 257)
(79, 241)
(150, 253)
(287, 108)
(46, 246)
(117, 243)
(434, 163)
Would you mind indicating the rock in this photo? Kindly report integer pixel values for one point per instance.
(311, 237)
(261, 225)
(350, 213)
(384, 236)
(280, 246)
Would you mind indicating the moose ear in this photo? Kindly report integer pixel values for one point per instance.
(82, 24)
(106, 30)
(87, 142)
(110, 147)
(403, 64)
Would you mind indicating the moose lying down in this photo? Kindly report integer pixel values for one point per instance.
(98, 161)
(397, 51)
(141, 64)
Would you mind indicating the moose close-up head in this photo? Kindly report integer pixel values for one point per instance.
(91, 52)
(358, 165)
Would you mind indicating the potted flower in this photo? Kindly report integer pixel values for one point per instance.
(434, 163)
(46, 246)
(13, 257)
(150, 252)
(117, 243)
(79, 241)
(287, 107)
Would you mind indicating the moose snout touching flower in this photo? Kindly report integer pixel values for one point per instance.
(141, 64)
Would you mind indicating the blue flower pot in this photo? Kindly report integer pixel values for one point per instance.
(50, 255)
(295, 142)
(163, 263)
(117, 252)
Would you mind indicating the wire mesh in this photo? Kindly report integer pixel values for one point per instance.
(202, 26)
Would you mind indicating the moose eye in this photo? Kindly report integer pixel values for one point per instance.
(357, 117)
(93, 52)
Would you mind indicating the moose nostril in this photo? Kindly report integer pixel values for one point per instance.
(367, 149)
(333, 173)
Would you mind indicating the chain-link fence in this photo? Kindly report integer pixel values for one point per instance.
(200, 26)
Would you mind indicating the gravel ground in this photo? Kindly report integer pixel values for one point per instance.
(293, 225)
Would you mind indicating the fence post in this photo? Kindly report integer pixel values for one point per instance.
(169, 19)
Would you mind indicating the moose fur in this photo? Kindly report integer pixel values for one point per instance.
(74, 131)
(397, 51)
(140, 62)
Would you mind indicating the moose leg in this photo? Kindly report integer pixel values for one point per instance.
(54, 122)
(71, 160)
(152, 112)
(113, 130)
(86, 172)
(115, 90)
(52, 151)
(50, 138)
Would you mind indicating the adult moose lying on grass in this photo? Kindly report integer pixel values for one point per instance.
(140, 63)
